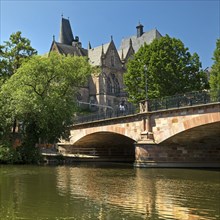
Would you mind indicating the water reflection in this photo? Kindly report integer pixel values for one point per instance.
(154, 193)
(100, 192)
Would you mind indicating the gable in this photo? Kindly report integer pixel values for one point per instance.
(67, 49)
(129, 54)
(112, 58)
(54, 48)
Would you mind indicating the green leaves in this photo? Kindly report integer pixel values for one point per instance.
(215, 70)
(14, 52)
(171, 69)
(41, 94)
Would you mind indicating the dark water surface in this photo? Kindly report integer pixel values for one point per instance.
(102, 192)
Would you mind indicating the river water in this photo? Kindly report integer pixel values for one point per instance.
(108, 192)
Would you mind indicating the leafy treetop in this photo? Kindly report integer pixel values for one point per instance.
(167, 67)
(215, 70)
(41, 95)
(14, 52)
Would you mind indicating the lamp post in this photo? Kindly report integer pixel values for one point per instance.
(145, 73)
(148, 126)
(146, 88)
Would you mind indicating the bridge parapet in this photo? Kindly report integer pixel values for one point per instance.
(165, 103)
(184, 100)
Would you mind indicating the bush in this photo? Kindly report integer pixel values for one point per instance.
(25, 154)
(29, 154)
(9, 155)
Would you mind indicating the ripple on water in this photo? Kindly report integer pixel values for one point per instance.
(108, 193)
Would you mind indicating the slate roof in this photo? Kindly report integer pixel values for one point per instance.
(147, 37)
(73, 50)
(66, 35)
(95, 54)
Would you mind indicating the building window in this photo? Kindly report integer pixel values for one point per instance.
(109, 86)
(113, 86)
(116, 86)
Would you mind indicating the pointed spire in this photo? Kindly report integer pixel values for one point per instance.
(53, 37)
(66, 35)
(103, 53)
(102, 50)
(130, 42)
(122, 54)
(89, 46)
(102, 56)
(111, 38)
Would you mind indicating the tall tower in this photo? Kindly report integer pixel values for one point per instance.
(66, 35)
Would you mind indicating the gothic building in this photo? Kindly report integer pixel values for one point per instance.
(105, 87)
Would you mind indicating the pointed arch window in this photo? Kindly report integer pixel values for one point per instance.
(109, 85)
(116, 86)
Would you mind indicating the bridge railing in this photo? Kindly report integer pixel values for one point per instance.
(114, 113)
(188, 99)
(177, 101)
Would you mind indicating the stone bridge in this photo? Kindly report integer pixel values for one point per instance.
(178, 137)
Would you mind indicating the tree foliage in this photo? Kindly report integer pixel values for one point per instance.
(7, 154)
(215, 70)
(41, 95)
(170, 69)
(13, 53)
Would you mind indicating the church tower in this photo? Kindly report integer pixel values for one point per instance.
(66, 35)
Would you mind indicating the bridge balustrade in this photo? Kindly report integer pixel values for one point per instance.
(177, 101)
(105, 115)
(187, 99)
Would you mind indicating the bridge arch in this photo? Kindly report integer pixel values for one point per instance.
(106, 146)
(123, 129)
(204, 134)
(203, 125)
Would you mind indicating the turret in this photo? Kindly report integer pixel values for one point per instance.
(139, 30)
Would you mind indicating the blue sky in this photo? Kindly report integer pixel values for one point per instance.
(195, 23)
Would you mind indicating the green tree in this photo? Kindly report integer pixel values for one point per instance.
(215, 70)
(13, 53)
(167, 67)
(41, 95)
(2, 65)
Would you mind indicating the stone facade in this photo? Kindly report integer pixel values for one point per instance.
(105, 86)
(173, 155)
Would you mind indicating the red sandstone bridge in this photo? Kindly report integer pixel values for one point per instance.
(163, 134)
